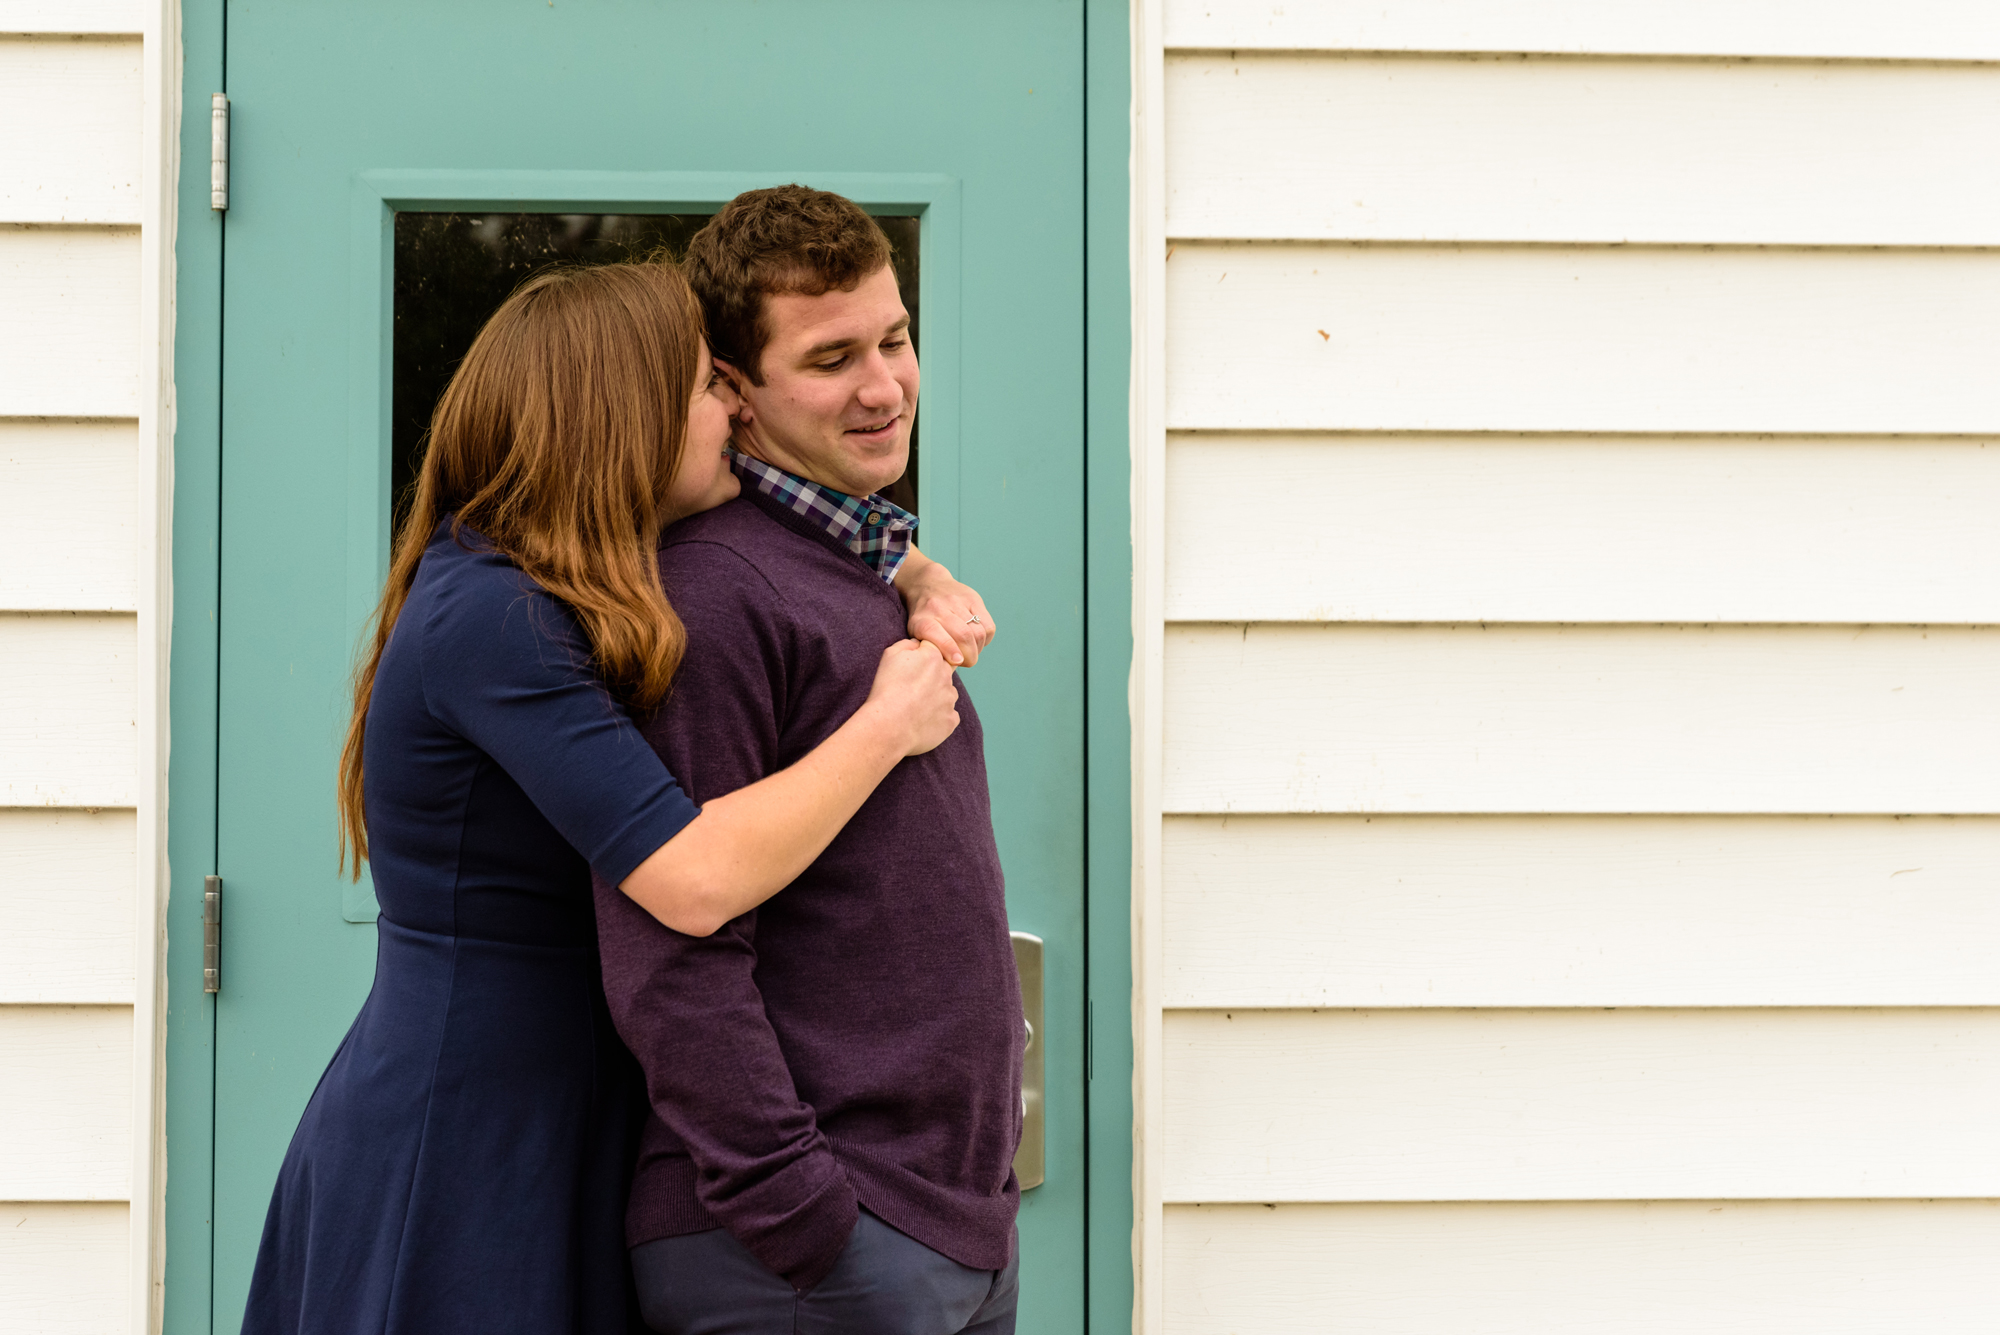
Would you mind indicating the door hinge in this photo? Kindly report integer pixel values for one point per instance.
(211, 934)
(218, 153)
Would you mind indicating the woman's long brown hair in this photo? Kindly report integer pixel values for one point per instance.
(555, 441)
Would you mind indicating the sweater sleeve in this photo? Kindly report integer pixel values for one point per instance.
(507, 667)
(689, 1007)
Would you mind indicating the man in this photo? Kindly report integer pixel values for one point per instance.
(835, 1077)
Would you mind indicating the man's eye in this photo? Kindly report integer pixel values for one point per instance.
(833, 365)
(896, 345)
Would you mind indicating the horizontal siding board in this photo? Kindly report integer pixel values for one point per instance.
(68, 710)
(71, 16)
(69, 329)
(1636, 1268)
(66, 1105)
(1536, 338)
(64, 1267)
(1540, 911)
(1585, 528)
(1503, 149)
(68, 515)
(79, 163)
(67, 885)
(1642, 1104)
(1300, 718)
(1918, 30)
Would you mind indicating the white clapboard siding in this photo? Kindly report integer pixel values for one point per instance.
(1568, 768)
(1583, 528)
(64, 1268)
(1444, 911)
(68, 515)
(1501, 149)
(71, 16)
(69, 328)
(1867, 29)
(68, 710)
(1582, 719)
(1427, 1105)
(1634, 1268)
(1538, 338)
(71, 153)
(66, 1104)
(66, 905)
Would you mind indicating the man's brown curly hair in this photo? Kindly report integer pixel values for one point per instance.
(788, 238)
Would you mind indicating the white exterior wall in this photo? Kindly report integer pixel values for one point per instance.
(88, 93)
(1567, 506)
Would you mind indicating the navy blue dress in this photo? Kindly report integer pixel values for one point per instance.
(463, 1165)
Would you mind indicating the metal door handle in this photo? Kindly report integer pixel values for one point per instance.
(1030, 1160)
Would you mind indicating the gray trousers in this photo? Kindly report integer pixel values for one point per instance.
(885, 1283)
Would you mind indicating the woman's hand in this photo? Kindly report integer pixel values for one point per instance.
(914, 696)
(942, 611)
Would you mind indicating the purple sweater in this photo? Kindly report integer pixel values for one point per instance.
(857, 1039)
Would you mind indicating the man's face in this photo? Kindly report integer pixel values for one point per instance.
(840, 387)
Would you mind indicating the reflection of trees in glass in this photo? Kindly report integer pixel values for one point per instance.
(453, 269)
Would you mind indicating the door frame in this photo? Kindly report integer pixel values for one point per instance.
(199, 456)
(1110, 59)
(187, 1234)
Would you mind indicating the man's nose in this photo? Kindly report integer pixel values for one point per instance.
(879, 386)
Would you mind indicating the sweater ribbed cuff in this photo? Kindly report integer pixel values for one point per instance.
(805, 1245)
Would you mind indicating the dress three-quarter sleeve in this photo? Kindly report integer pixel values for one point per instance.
(507, 667)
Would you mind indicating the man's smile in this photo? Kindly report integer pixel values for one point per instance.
(876, 432)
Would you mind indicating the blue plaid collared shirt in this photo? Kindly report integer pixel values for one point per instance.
(875, 530)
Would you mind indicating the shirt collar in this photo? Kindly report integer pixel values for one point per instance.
(876, 530)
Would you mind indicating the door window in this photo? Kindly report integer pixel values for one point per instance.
(453, 270)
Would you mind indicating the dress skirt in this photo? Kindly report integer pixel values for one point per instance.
(463, 1165)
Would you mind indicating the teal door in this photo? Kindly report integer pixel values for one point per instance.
(365, 131)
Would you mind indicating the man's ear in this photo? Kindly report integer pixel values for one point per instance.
(736, 381)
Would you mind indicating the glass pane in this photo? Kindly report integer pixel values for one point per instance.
(453, 269)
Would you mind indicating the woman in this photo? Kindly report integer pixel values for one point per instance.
(462, 1165)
